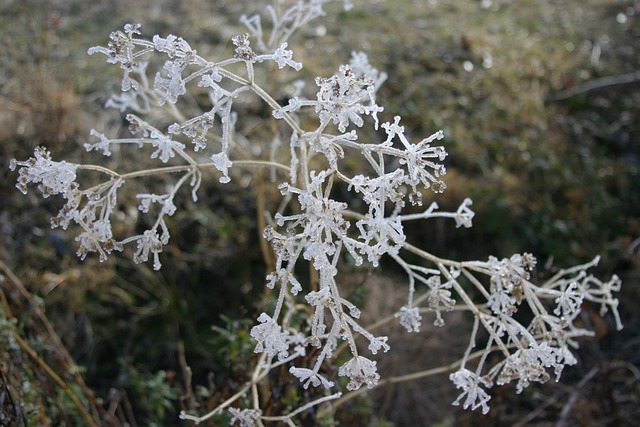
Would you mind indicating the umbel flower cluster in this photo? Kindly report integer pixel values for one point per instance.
(311, 226)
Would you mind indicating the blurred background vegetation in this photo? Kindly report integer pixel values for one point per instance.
(540, 105)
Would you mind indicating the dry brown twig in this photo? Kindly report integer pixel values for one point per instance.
(54, 341)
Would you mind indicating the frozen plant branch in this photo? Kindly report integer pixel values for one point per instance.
(312, 227)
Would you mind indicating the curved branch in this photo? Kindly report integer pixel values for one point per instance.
(604, 83)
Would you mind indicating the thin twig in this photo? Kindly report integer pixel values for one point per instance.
(51, 334)
(566, 411)
(303, 408)
(603, 83)
(27, 348)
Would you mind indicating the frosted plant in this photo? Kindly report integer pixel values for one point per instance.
(475, 397)
(245, 417)
(311, 226)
